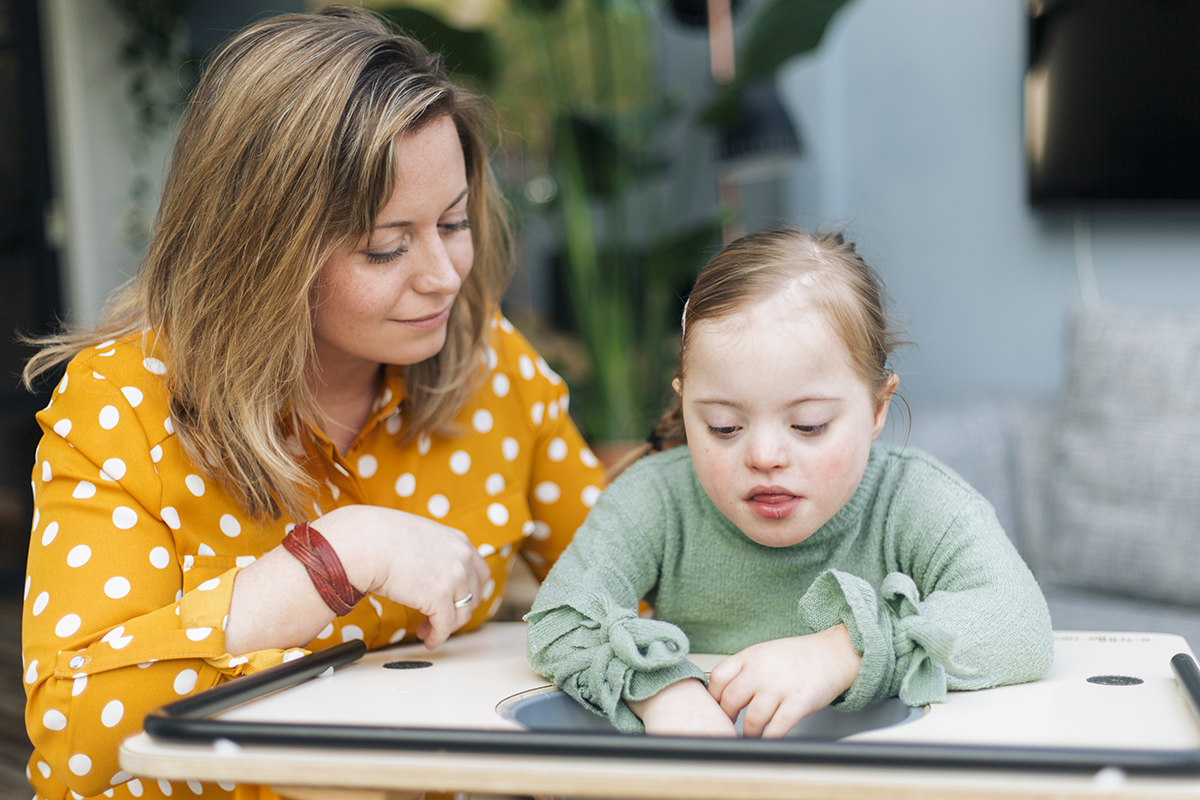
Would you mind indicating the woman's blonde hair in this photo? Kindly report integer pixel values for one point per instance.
(835, 278)
(286, 153)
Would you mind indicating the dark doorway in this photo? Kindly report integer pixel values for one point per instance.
(29, 286)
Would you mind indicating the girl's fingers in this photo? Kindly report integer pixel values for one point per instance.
(785, 718)
(759, 714)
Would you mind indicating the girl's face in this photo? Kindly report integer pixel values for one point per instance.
(778, 423)
(386, 298)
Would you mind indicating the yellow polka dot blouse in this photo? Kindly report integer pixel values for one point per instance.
(134, 549)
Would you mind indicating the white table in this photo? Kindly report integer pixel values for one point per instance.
(474, 673)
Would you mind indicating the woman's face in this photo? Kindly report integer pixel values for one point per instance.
(779, 424)
(385, 299)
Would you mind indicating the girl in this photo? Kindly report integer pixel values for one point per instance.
(832, 569)
(307, 395)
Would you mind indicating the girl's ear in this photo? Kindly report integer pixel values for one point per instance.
(677, 386)
(885, 401)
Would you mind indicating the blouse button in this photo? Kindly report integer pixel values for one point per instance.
(77, 662)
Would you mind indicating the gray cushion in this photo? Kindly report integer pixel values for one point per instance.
(1122, 487)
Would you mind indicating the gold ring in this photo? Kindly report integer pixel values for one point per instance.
(460, 603)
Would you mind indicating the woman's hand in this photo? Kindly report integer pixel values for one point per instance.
(684, 708)
(784, 680)
(404, 557)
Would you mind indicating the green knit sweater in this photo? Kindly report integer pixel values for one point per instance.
(915, 564)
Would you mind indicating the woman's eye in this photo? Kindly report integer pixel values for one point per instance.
(812, 430)
(722, 431)
(455, 227)
(385, 257)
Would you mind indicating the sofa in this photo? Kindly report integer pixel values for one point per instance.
(1098, 485)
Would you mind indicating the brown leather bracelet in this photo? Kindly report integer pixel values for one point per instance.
(324, 568)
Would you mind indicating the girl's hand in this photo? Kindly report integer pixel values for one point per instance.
(684, 708)
(409, 559)
(784, 680)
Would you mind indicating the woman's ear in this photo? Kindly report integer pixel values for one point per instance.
(885, 401)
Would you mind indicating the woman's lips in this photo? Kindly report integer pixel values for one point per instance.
(429, 323)
(772, 502)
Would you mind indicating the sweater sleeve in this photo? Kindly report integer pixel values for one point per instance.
(961, 611)
(585, 634)
(109, 631)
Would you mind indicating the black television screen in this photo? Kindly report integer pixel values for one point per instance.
(1112, 101)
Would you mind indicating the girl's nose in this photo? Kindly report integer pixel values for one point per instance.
(765, 452)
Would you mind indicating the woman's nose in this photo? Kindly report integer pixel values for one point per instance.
(437, 274)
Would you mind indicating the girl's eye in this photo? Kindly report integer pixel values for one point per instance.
(812, 430)
(455, 227)
(723, 431)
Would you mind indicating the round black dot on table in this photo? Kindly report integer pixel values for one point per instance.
(1115, 680)
(407, 664)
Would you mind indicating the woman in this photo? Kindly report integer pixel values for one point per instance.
(307, 394)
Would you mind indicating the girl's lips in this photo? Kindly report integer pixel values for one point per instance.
(772, 503)
(428, 323)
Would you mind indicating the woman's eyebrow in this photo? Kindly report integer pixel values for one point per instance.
(457, 200)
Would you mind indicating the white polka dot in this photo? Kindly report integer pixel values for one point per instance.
(155, 366)
(116, 588)
(205, 550)
(84, 491)
(506, 551)
(541, 531)
(116, 638)
(39, 603)
(134, 396)
(209, 584)
(54, 720)
(326, 632)
(237, 662)
(397, 636)
(375, 604)
(160, 558)
(528, 528)
(80, 764)
(244, 561)
(494, 484)
(113, 470)
(78, 685)
(506, 326)
(547, 492)
(537, 412)
(79, 555)
(497, 514)
(135, 787)
(62, 386)
(47, 475)
(350, 632)
(548, 373)
(500, 384)
(589, 458)
(171, 517)
(590, 495)
(185, 681)
(488, 590)
(564, 403)
(230, 526)
(28, 578)
(526, 368)
(67, 625)
(37, 515)
(460, 462)
(44, 768)
(552, 411)
(406, 484)
(486, 550)
(367, 465)
(31, 673)
(423, 444)
(62, 427)
(49, 534)
(534, 558)
(511, 448)
(156, 453)
(109, 417)
(393, 424)
(124, 517)
(112, 713)
(439, 506)
(482, 420)
(169, 426)
(165, 787)
(119, 778)
(557, 449)
(198, 634)
(195, 485)
(195, 786)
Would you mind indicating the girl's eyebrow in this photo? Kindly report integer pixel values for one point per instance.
(457, 200)
(740, 406)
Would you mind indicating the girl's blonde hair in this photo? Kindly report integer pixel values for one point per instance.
(286, 153)
(835, 278)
